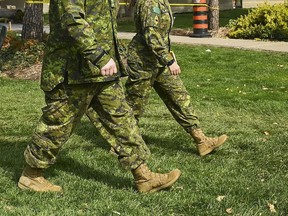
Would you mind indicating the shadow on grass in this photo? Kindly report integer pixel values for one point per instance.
(12, 161)
(169, 145)
(70, 165)
(88, 132)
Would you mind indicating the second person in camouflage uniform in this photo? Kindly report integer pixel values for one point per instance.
(152, 65)
(80, 70)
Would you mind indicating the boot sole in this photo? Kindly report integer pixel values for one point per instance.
(167, 185)
(23, 187)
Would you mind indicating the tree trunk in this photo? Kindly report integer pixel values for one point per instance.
(213, 15)
(33, 22)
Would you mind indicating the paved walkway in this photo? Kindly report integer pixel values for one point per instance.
(220, 42)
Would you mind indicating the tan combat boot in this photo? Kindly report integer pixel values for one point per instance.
(148, 182)
(205, 144)
(32, 179)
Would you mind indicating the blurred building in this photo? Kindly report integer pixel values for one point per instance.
(223, 4)
(18, 4)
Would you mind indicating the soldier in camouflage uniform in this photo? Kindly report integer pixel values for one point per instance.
(152, 64)
(80, 71)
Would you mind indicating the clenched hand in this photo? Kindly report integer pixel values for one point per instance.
(109, 69)
(175, 69)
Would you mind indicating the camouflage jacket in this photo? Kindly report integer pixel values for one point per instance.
(151, 44)
(82, 40)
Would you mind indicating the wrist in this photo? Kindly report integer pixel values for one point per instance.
(169, 63)
(102, 61)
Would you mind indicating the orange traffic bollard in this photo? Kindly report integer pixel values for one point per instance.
(200, 19)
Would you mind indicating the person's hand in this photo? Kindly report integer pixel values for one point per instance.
(109, 69)
(175, 69)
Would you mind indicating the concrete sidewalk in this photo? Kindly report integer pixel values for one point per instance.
(220, 42)
(18, 27)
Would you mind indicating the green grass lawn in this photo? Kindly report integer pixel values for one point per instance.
(185, 20)
(239, 92)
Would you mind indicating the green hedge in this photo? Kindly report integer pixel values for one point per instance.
(265, 22)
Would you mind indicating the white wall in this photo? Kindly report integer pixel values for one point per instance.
(255, 3)
(45, 8)
(224, 4)
(20, 4)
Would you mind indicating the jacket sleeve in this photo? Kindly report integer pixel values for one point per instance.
(150, 19)
(85, 38)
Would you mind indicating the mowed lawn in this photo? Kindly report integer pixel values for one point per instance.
(239, 92)
(185, 20)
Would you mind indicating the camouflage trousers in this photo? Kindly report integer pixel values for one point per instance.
(170, 89)
(66, 104)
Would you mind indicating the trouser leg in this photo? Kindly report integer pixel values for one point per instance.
(176, 98)
(114, 119)
(66, 105)
(111, 115)
(138, 88)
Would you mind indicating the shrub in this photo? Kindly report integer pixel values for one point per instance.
(18, 18)
(18, 53)
(265, 22)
